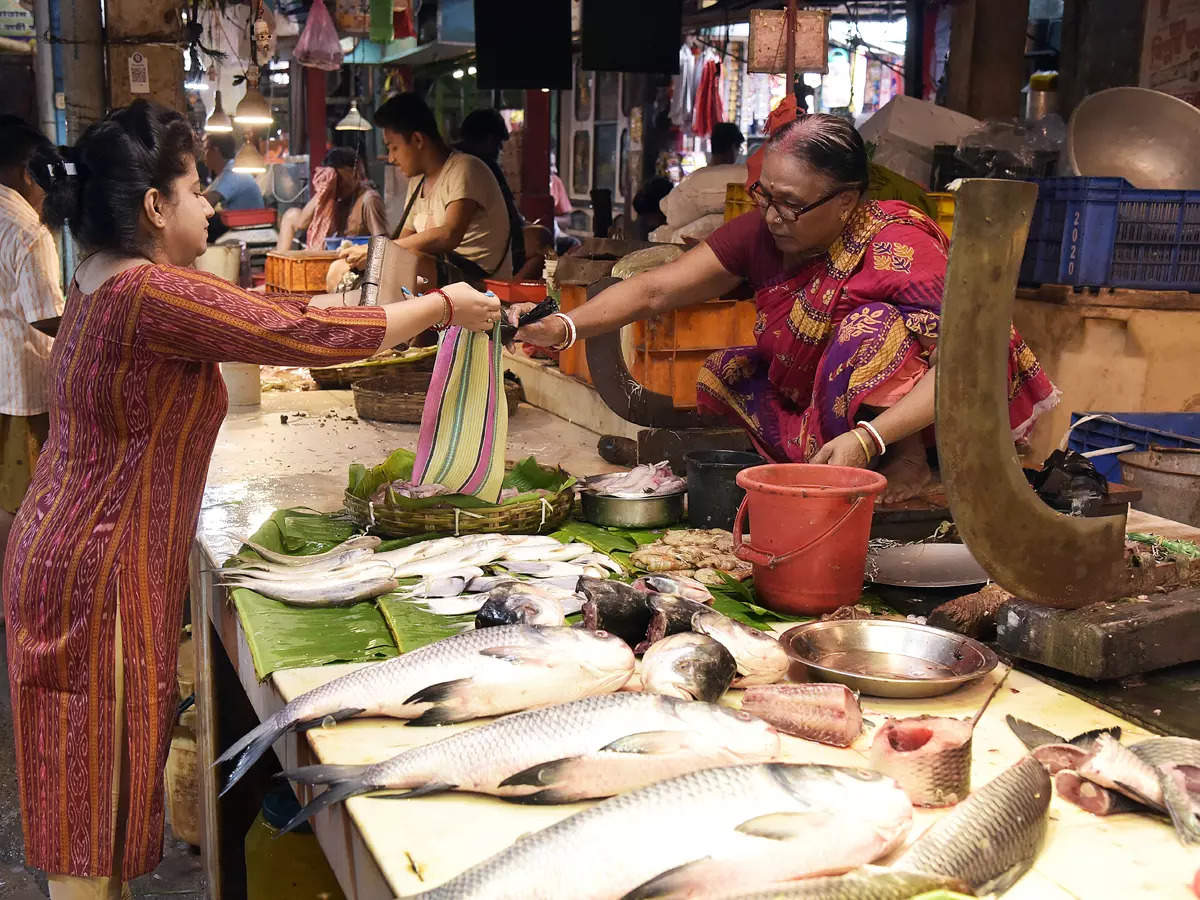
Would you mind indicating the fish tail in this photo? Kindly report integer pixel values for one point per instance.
(335, 793)
(324, 774)
(253, 746)
(1180, 804)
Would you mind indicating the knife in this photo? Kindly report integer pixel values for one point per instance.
(543, 310)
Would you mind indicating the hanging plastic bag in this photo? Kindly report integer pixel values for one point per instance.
(319, 47)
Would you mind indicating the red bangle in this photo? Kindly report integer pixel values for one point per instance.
(445, 323)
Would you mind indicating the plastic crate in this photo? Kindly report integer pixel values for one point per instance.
(1103, 232)
(246, 218)
(1161, 429)
(512, 291)
(943, 204)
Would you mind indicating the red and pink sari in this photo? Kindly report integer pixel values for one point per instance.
(852, 328)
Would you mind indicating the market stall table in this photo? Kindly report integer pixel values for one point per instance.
(382, 848)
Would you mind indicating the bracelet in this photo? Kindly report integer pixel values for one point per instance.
(448, 307)
(572, 334)
(863, 443)
(875, 436)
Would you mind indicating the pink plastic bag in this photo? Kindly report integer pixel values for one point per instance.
(319, 47)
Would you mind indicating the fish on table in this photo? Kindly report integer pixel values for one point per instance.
(467, 676)
(741, 827)
(827, 713)
(760, 657)
(582, 750)
(688, 666)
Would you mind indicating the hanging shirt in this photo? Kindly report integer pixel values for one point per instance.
(463, 177)
(29, 291)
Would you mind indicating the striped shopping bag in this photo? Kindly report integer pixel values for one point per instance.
(464, 427)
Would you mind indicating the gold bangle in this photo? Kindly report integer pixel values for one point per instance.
(862, 443)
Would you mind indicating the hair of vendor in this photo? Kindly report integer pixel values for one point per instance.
(118, 159)
(408, 114)
(827, 144)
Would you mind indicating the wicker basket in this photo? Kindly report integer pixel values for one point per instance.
(539, 516)
(401, 397)
(342, 378)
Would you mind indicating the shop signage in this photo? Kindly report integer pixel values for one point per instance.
(1171, 48)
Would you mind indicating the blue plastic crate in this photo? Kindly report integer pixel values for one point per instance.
(1103, 232)
(1161, 429)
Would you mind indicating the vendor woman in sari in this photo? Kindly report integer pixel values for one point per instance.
(96, 572)
(848, 292)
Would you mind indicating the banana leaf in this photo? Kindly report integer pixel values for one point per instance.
(412, 625)
(287, 637)
(528, 477)
(364, 482)
(606, 540)
(1179, 549)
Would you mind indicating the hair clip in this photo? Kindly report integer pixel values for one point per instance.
(69, 168)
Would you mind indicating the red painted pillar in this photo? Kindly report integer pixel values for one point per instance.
(314, 106)
(536, 203)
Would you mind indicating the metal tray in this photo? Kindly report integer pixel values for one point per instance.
(927, 566)
(885, 658)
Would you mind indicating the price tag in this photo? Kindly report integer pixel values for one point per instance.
(139, 73)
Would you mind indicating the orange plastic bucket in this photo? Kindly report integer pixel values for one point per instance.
(811, 527)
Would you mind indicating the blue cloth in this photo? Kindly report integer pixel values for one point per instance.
(237, 190)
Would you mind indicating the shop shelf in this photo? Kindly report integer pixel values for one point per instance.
(1103, 232)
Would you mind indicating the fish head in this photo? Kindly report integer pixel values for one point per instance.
(601, 655)
(746, 737)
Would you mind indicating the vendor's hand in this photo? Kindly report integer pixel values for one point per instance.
(548, 332)
(355, 255)
(333, 276)
(473, 310)
(843, 450)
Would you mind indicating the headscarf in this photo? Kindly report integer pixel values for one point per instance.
(324, 192)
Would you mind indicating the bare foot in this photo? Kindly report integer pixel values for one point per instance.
(906, 469)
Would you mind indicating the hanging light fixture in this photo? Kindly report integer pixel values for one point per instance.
(219, 122)
(353, 120)
(248, 160)
(197, 79)
(253, 108)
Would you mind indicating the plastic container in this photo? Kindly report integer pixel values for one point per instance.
(738, 201)
(247, 218)
(510, 291)
(810, 560)
(1160, 429)
(286, 865)
(713, 492)
(943, 203)
(243, 383)
(1103, 232)
(1169, 480)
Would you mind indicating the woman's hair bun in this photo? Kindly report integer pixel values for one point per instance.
(61, 176)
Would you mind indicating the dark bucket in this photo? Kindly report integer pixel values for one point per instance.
(713, 494)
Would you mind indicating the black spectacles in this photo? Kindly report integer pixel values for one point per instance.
(789, 212)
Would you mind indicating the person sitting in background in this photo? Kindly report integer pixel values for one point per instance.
(454, 209)
(647, 203)
(483, 135)
(229, 189)
(538, 244)
(343, 204)
(696, 208)
(563, 208)
(30, 290)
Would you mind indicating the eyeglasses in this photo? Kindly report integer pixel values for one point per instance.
(789, 212)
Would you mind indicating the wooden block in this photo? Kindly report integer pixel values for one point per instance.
(1120, 298)
(1105, 640)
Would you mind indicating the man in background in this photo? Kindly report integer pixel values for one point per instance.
(696, 208)
(454, 209)
(30, 290)
(483, 136)
(229, 189)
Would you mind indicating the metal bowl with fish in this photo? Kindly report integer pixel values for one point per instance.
(647, 496)
(885, 658)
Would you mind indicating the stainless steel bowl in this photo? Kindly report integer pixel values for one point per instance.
(885, 658)
(1144, 136)
(632, 512)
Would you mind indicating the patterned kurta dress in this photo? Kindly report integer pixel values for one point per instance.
(136, 401)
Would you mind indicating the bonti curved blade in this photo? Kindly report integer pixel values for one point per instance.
(624, 394)
(1027, 548)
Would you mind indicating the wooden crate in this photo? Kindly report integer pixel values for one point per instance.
(670, 372)
(714, 325)
(573, 361)
(302, 271)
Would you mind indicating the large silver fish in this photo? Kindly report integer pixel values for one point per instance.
(467, 676)
(992, 838)
(867, 883)
(760, 658)
(323, 588)
(595, 747)
(740, 827)
(362, 541)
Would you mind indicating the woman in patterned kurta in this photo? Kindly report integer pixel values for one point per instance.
(96, 577)
(849, 298)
